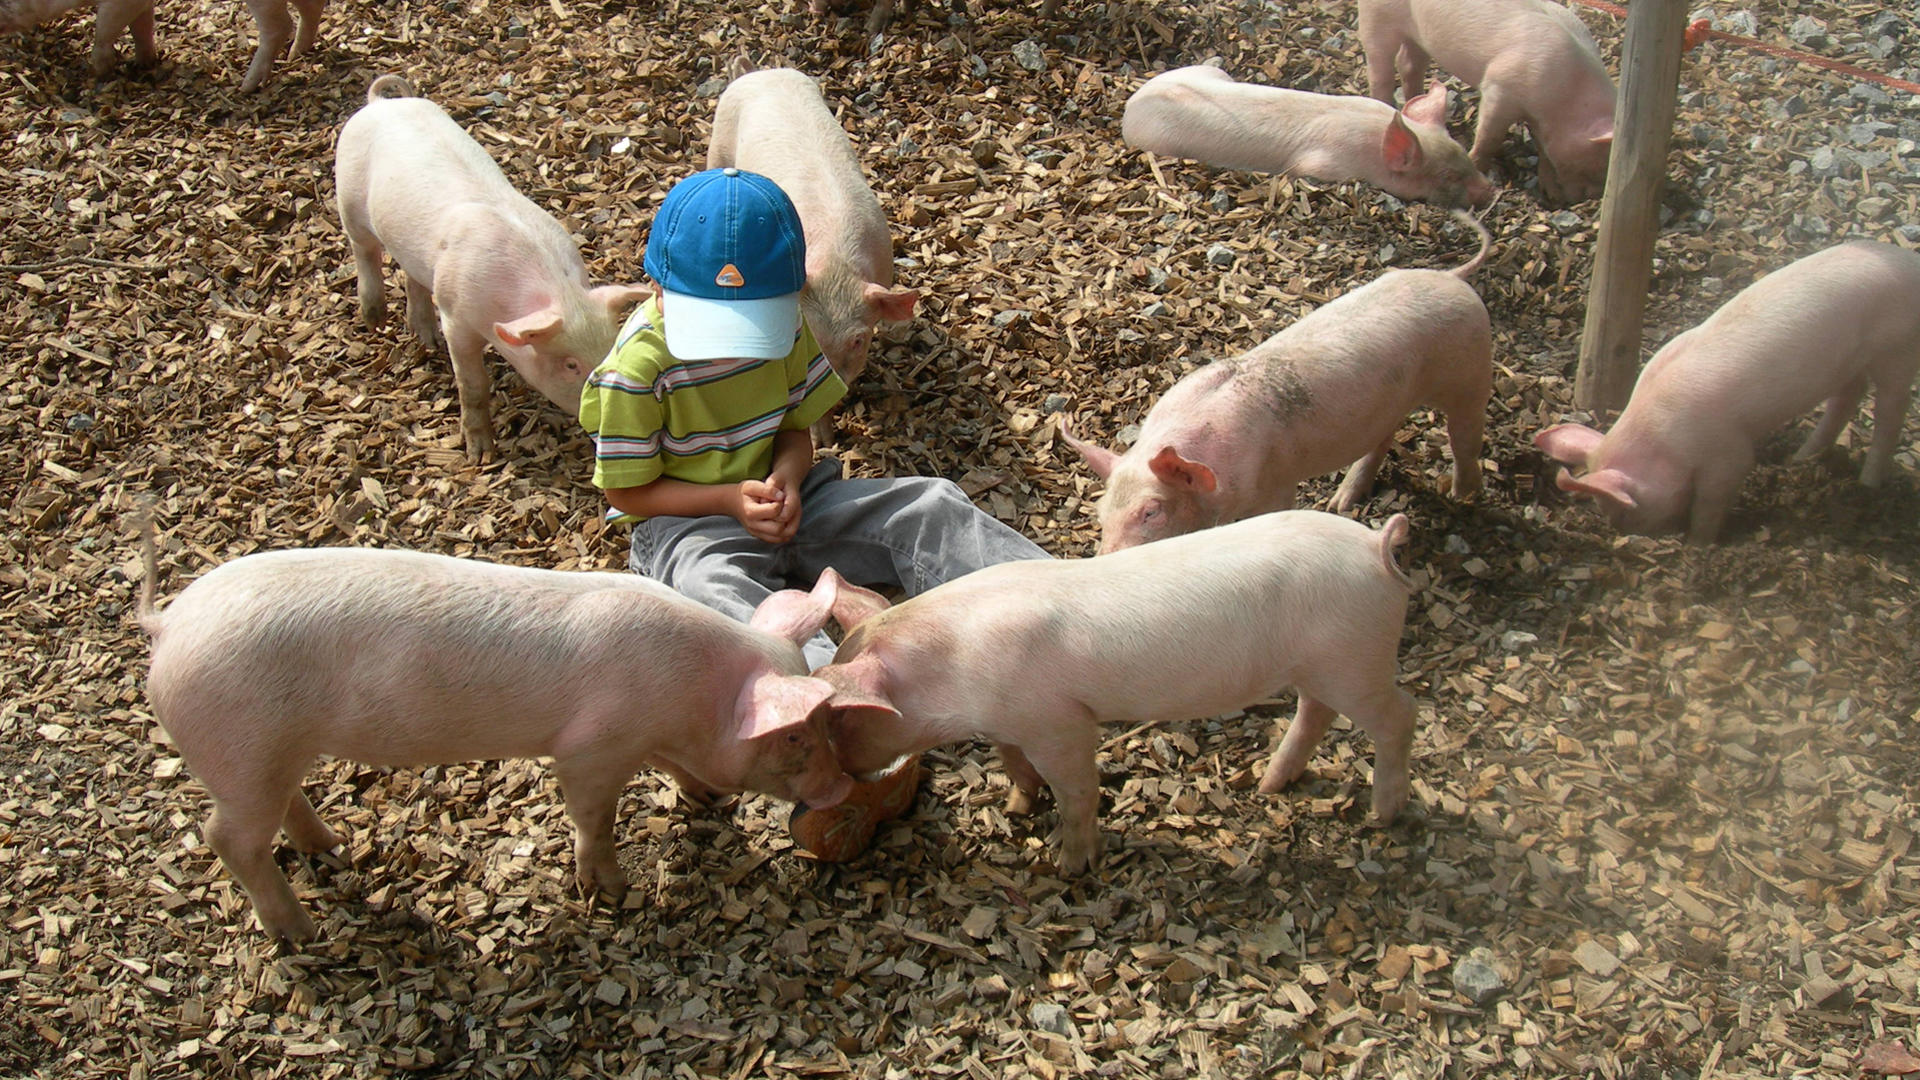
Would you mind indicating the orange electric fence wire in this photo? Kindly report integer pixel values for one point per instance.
(1700, 32)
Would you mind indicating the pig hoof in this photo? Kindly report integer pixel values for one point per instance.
(294, 928)
(1281, 776)
(479, 447)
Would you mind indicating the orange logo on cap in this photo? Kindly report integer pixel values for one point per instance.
(729, 275)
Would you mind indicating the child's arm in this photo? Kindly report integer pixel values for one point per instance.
(769, 509)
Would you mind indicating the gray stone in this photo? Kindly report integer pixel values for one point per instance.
(1005, 319)
(1824, 162)
(79, 422)
(1055, 403)
(1566, 221)
(1809, 31)
(711, 88)
(1740, 22)
(1128, 435)
(1870, 131)
(1222, 202)
(1909, 233)
(1048, 1016)
(1029, 55)
(1156, 279)
(1865, 160)
(1794, 106)
(1870, 94)
(1513, 639)
(1873, 209)
(1475, 978)
(1882, 47)
(1386, 254)
(1157, 310)
(1047, 157)
(1454, 545)
(1710, 286)
(1812, 224)
(1370, 868)
(1221, 255)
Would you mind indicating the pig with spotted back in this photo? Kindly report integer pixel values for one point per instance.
(1037, 656)
(1820, 329)
(775, 123)
(1202, 113)
(110, 19)
(1534, 62)
(499, 270)
(405, 658)
(1236, 437)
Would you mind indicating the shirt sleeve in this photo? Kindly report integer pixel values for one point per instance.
(625, 421)
(813, 387)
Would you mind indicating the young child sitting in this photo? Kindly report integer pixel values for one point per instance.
(700, 417)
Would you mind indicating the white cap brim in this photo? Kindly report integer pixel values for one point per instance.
(703, 329)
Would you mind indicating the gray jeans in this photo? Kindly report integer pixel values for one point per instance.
(912, 531)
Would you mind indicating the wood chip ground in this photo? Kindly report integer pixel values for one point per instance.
(1666, 795)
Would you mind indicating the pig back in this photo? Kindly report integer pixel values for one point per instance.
(395, 657)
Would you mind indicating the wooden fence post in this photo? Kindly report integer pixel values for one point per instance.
(1630, 210)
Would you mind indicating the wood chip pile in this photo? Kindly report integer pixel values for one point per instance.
(1664, 798)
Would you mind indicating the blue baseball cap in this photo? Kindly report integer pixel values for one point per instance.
(729, 254)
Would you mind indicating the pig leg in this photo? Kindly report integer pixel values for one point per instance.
(421, 318)
(1466, 430)
(110, 20)
(304, 829)
(1066, 762)
(1049, 8)
(592, 791)
(1353, 490)
(880, 17)
(145, 49)
(1714, 486)
(1310, 722)
(1380, 48)
(1412, 61)
(691, 790)
(368, 283)
(1840, 409)
(241, 831)
(275, 27)
(1384, 712)
(1889, 414)
(469, 352)
(1498, 112)
(1026, 779)
(309, 24)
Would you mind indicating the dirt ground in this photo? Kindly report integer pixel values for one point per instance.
(1667, 795)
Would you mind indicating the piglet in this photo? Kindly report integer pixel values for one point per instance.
(405, 658)
(110, 19)
(1201, 113)
(1236, 437)
(1820, 329)
(1037, 655)
(499, 270)
(1534, 62)
(775, 123)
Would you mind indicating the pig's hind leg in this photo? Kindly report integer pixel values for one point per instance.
(1384, 712)
(1840, 409)
(241, 831)
(309, 24)
(1360, 476)
(1066, 762)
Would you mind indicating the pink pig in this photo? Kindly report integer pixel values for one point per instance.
(500, 270)
(1236, 437)
(406, 658)
(1822, 328)
(111, 17)
(1038, 655)
(775, 123)
(1201, 113)
(1533, 60)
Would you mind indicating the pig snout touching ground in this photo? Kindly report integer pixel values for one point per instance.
(1201, 113)
(1820, 329)
(1236, 437)
(275, 26)
(403, 658)
(111, 18)
(1534, 62)
(776, 123)
(497, 269)
(1037, 656)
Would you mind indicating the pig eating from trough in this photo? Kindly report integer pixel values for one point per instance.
(497, 269)
(1236, 437)
(1037, 656)
(405, 658)
(1820, 329)
(1201, 113)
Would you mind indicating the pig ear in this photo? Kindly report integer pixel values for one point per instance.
(1569, 444)
(1430, 107)
(857, 697)
(852, 605)
(1171, 468)
(1400, 147)
(617, 298)
(797, 615)
(1609, 485)
(773, 703)
(529, 329)
(892, 305)
(1099, 458)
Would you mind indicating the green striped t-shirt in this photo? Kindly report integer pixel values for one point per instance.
(702, 421)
